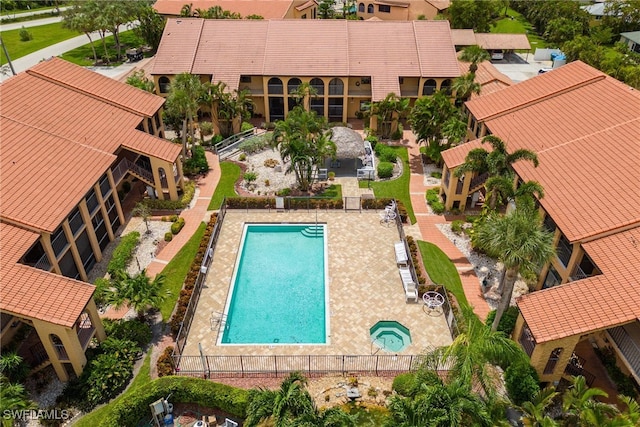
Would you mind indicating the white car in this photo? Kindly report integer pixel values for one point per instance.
(497, 54)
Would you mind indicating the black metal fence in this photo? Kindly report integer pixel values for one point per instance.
(281, 365)
(183, 332)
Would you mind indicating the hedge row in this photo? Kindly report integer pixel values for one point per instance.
(291, 203)
(123, 252)
(129, 411)
(177, 226)
(190, 280)
(172, 205)
(433, 200)
(415, 253)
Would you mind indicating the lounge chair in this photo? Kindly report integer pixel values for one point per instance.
(405, 276)
(410, 292)
(401, 254)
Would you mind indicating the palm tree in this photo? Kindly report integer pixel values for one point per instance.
(187, 10)
(497, 163)
(183, 98)
(470, 356)
(390, 109)
(302, 141)
(13, 397)
(520, 241)
(474, 54)
(141, 81)
(303, 94)
(464, 87)
(283, 406)
(330, 417)
(138, 292)
(581, 407)
(534, 412)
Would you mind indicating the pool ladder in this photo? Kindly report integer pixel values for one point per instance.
(313, 231)
(218, 319)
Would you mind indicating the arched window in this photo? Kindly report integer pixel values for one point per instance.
(429, 87)
(361, 8)
(318, 85)
(292, 85)
(446, 86)
(59, 347)
(275, 86)
(163, 83)
(336, 87)
(553, 360)
(370, 8)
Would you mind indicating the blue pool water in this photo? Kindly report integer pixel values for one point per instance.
(278, 295)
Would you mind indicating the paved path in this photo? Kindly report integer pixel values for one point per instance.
(31, 13)
(427, 221)
(193, 216)
(28, 24)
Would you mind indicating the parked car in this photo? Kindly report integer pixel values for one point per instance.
(497, 54)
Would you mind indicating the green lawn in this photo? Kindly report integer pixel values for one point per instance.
(334, 191)
(519, 25)
(442, 271)
(21, 11)
(84, 56)
(177, 270)
(43, 36)
(230, 172)
(397, 188)
(143, 378)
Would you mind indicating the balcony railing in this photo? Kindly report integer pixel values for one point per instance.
(578, 274)
(275, 89)
(477, 182)
(628, 347)
(105, 187)
(43, 263)
(76, 223)
(59, 243)
(575, 368)
(564, 251)
(527, 341)
(92, 203)
(119, 171)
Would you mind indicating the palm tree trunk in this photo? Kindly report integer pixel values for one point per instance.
(184, 138)
(93, 48)
(510, 278)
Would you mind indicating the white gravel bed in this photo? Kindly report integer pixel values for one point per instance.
(146, 250)
(277, 180)
(484, 266)
(430, 181)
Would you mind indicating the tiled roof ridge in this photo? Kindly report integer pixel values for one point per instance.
(610, 231)
(415, 35)
(35, 73)
(264, 57)
(197, 46)
(21, 224)
(542, 98)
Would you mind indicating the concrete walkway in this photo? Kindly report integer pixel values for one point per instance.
(193, 216)
(31, 13)
(29, 24)
(427, 221)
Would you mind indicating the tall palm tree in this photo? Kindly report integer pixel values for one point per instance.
(465, 86)
(303, 95)
(390, 109)
(288, 403)
(497, 163)
(185, 91)
(470, 356)
(520, 241)
(474, 54)
(581, 406)
(138, 292)
(187, 10)
(534, 412)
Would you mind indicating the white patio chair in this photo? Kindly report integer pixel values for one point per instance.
(401, 254)
(410, 292)
(405, 276)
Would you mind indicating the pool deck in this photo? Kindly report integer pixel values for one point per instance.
(364, 287)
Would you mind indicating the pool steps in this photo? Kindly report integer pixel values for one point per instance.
(313, 231)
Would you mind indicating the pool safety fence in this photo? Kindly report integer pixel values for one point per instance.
(207, 366)
(183, 332)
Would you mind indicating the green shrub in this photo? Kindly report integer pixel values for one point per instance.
(206, 128)
(165, 363)
(131, 330)
(216, 139)
(397, 134)
(246, 126)
(284, 192)
(102, 286)
(373, 139)
(433, 200)
(385, 170)
(436, 175)
(187, 195)
(456, 226)
(123, 252)
(508, 320)
(168, 236)
(128, 412)
(522, 382)
(126, 186)
(177, 226)
(242, 157)
(173, 218)
(255, 144)
(110, 374)
(625, 384)
(25, 35)
(250, 177)
(386, 153)
(197, 163)
(405, 384)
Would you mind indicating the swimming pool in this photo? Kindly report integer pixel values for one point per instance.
(278, 290)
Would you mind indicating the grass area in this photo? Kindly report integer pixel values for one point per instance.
(334, 191)
(18, 12)
(442, 271)
(177, 270)
(367, 415)
(83, 55)
(229, 174)
(143, 378)
(397, 188)
(43, 36)
(515, 23)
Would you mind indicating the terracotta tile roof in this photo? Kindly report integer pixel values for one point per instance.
(488, 76)
(462, 37)
(439, 4)
(304, 6)
(503, 41)
(145, 65)
(44, 175)
(603, 301)
(23, 291)
(281, 47)
(98, 86)
(568, 129)
(268, 9)
(533, 90)
(56, 143)
(455, 156)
